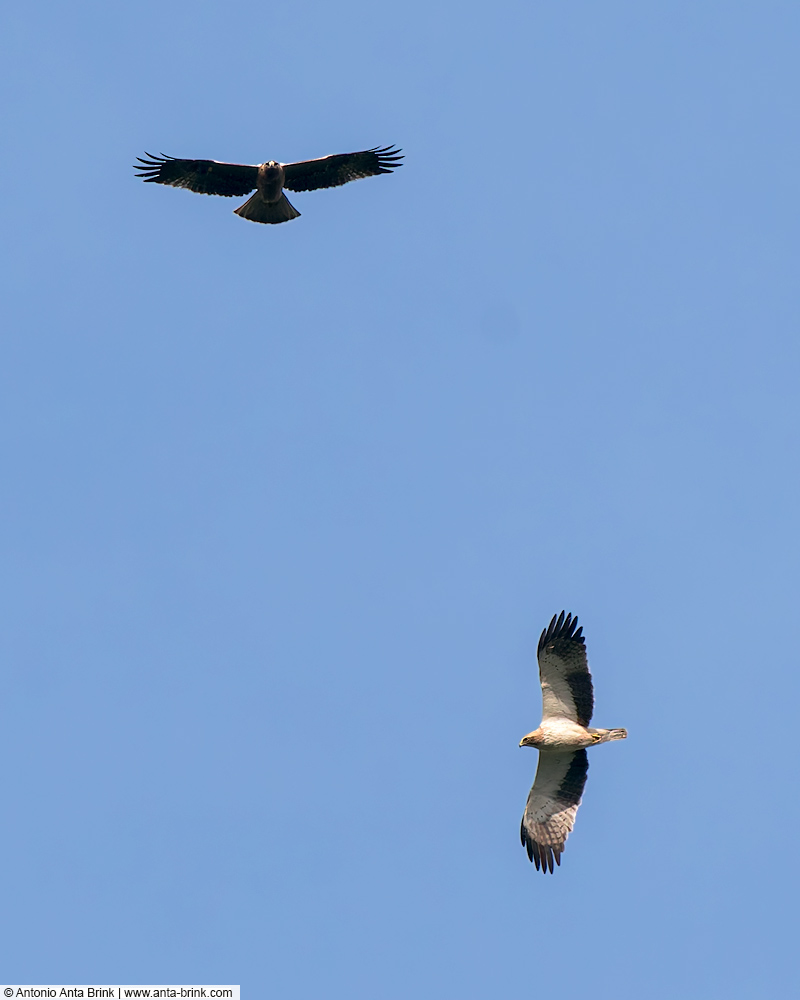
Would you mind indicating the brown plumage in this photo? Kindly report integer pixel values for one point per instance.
(269, 204)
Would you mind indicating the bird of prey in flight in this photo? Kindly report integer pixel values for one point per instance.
(561, 739)
(269, 204)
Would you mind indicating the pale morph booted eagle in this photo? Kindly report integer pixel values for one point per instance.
(561, 739)
(269, 203)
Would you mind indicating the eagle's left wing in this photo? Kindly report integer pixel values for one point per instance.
(202, 176)
(567, 691)
(552, 804)
(331, 171)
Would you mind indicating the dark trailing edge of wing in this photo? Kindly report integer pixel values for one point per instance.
(562, 628)
(580, 686)
(574, 782)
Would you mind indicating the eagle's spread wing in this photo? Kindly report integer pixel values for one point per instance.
(203, 176)
(552, 804)
(564, 672)
(331, 171)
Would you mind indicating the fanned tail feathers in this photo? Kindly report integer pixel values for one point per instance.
(255, 209)
(606, 735)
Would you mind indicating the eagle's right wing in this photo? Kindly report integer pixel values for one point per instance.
(203, 176)
(552, 804)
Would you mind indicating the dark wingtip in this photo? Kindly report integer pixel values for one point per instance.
(563, 626)
(151, 167)
(543, 856)
(389, 158)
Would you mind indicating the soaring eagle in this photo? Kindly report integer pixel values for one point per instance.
(269, 203)
(561, 739)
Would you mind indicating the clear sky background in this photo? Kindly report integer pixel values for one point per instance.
(284, 509)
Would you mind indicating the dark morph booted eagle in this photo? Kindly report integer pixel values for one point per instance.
(269, 203)
(561, 739)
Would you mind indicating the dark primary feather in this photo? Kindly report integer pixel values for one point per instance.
(331, 171)
(542, 855)
(562, 630)
(202, 176)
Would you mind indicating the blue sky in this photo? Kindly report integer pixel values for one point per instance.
(284, 509)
